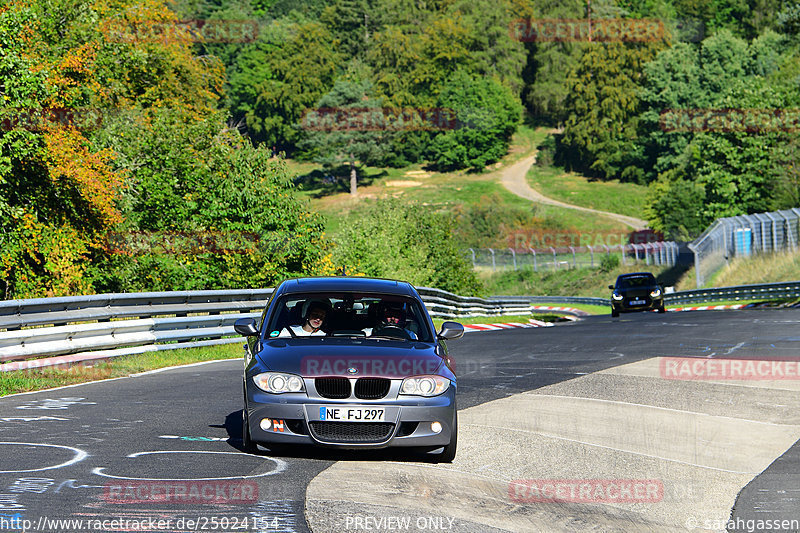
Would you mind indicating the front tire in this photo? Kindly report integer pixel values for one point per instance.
(449, 452)
(614, 313)
(247, 443)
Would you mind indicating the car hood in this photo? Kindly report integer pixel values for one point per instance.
(318, 357)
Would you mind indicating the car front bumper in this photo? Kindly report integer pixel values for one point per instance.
(294, 419)
(650, 304)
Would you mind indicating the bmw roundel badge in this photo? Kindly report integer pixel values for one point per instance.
(352, 370)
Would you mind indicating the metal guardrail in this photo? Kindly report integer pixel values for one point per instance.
(53, 331)
(587, 300)
(764, 291)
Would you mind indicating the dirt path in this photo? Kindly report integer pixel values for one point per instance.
(513, 179)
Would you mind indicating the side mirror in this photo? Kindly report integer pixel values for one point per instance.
(451, 330)
(611, 287)
(246, 327)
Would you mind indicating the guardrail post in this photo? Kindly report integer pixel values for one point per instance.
(514, 257)
(494, 265)
(574, 261)
(473, 257)
(555, 260)
(592, 254)
(534, 259)
(624, 259)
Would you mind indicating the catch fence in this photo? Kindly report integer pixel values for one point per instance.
(544, 259)
(743, 236)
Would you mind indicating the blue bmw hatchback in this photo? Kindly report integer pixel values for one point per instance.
(348, 363)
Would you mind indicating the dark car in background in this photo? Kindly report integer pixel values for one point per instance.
(373, 374)
(636, 292)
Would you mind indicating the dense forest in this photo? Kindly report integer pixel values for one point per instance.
(159, 122)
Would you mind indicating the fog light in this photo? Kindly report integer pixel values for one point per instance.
(436, 427)
(266, 423)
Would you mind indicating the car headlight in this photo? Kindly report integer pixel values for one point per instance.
(617, 296)
(424, 386)
(277, 382)
(655, 294)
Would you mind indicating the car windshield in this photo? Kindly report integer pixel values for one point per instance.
(358, 315)
(636, 281)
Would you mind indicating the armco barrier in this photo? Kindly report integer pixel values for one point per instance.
(51, 331)
(54, 331)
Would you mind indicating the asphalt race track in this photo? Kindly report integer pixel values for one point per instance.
(581, 403)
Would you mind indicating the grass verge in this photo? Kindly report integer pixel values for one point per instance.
(48, 378)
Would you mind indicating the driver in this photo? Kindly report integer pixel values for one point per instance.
(392, 316)
(314, 314)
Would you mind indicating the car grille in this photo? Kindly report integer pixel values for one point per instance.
(363, 432)
(333, 388)
(372, 388)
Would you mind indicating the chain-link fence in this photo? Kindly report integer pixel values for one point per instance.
(653, 253)
(742, 236)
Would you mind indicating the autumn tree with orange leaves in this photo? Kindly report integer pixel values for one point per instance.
(107, 109)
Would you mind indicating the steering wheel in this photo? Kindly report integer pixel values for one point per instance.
(391, 331)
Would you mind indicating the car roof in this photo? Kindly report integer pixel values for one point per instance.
(636, 275)
(346, 284)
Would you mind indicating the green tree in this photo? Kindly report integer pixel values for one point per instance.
(487, 114)
(286, 72)
(601, 132)
(348, 126)
(232, 203)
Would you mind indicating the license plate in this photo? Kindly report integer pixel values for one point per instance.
(637, 302)
(351, 414)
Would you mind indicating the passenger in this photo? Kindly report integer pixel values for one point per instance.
(314, 314)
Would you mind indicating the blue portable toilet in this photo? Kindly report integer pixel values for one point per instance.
(744, 241)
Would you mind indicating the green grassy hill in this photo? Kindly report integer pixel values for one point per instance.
(748, 271)
(486, 214)
(457, 192)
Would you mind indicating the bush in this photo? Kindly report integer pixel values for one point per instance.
(389, 239)
(547, 152)
(609, 262)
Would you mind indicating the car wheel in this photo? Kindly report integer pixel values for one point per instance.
(247, 443)
(449, 452)
(614, 313)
